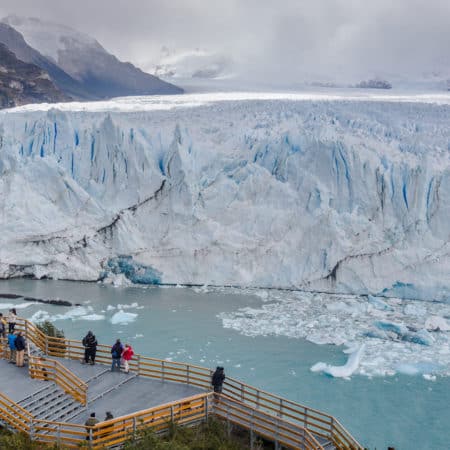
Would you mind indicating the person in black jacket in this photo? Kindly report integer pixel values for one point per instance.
(116, 354)
(218, 378)
(20, 349)
(90, 348)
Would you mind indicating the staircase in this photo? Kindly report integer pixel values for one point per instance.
(104, 384)
(51, 403)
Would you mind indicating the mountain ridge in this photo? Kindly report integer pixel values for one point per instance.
(22, 82)
(76, 62)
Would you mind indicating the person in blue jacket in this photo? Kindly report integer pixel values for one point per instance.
(116, 354)
(12, 347)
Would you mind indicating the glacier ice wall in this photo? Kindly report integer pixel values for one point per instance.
(334, 196)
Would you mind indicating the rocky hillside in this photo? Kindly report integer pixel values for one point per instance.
(17, 44)
(22, 83)
(99, 73)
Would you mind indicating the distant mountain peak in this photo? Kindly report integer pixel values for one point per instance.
(89, 71)
(49, 38)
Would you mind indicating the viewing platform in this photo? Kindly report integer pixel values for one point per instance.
(51, 398)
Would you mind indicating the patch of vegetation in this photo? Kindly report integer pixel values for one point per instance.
(21, 441)
(211, 435)
(56, 348)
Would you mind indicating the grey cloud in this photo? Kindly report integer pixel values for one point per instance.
(269, 40)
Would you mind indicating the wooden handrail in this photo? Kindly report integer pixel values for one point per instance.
(288, 434)
(121, 429)
(52, 370)
(319, 423)
(13, 414)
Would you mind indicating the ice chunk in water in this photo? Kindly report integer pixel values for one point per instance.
(122, 317)
(347, 369)
(397, 328)
(377, 303)
(436, 323)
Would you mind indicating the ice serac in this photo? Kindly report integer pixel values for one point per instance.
(338, 196)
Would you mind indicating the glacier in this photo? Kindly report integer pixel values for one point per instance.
(328, 193)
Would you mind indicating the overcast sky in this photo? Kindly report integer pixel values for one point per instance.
(267, 39)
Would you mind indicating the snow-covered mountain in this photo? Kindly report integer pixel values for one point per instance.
(100, 73)
(186, 64)
(348, 194)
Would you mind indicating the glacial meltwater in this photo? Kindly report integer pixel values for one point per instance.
(395, 391)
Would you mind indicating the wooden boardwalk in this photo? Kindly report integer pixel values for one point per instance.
(52, 397)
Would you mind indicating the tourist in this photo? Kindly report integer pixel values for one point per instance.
(108, 430)
(90, 348)
(127, 354)
(217, 379)
(20, 349)
(12, 319)
(12, 347)
(90, 422)
(3, 324)
(116, 353)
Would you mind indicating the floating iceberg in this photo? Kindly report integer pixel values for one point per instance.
(436, 323)
(398, 339)
(377, 303)
(345, 371)
(122, 317)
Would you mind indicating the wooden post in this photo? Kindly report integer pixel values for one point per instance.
(162, 371)
(332, 427)
(187, 374)
(31, 429)
(280, 412)
(252, 439)
(58, 435)
(134, 428)
(138, 357)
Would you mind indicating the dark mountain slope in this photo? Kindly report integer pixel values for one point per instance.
(80, 56)
(22, 83)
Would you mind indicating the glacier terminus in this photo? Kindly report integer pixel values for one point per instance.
(330, 193)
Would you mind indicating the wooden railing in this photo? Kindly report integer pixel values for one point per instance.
(288, 434)
(318, 423)
(116, 431)
(51, 370)
(14, 415)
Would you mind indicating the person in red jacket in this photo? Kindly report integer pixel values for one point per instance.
(127, 354)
